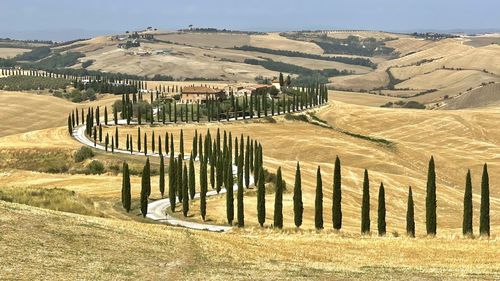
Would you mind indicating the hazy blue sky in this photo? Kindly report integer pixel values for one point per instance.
(58, 19)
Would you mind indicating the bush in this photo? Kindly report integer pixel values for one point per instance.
(95, 168)
(83, 153)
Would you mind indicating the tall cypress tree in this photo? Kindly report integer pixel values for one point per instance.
(337, 196)
(192, 182)
(467, 220)
(203, 190)
(484, 216)
(298, 206)
(430, 200)
(116, 138)
(162, 176)
(145, 144)
(410, 216)
(365, 207)
(318, 217)
(126, 196)
(179, 173)
(381, 211)
(229, 195)
(241, 208)
(181, 144)
(261, 198)
(171, 181)
(278, 201)
(145, 188)
(185, 192)
(247, 163)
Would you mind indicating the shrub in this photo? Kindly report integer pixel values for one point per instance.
(95, 167)
(83, 153)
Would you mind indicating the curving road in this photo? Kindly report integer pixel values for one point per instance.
(157, 209)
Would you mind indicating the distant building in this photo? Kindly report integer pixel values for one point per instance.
(195, 94)
(276, 83)
(252, 90)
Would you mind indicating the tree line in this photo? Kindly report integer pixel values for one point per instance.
(133, 107)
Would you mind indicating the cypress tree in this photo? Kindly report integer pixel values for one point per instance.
(106, 115)
(139, 137)
(100, 133)
(467, 220)
(171, 181)
(241, 208)
(365, 208)
(381, 211)
(116, 138)
(160, 149)
(247, 163)
(162, 176)
(430, 200)
(145, 188)
(179, 173)
(337, 196)
(126, 196)
(145, 144)
(153, 142)
(298, 206)
(410, 216)
(203, 191)
(261, 199)
(192, 183)
(181, 145)
(229, 195)
(278, 201)
(185, 192)
(484, 216)
(70, 127)
(115, 115)
(318, 217)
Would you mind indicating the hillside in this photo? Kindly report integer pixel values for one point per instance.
(398, 65)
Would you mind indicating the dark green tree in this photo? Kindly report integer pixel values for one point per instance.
(126, 196)
(430, 200)
(229, 194)
(484, 216)
(203, 190)
(171, 181)
(318, 210)
(365, 207)
(337, 197)
(410, 216)
(467, 220)
(192, 182)
(278, 201)
(241, 208)
(381, 211)
(298, 206)
(162, 176)
(185, 192)
(145, 188)
(261, 198)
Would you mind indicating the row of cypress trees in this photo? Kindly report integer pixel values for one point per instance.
(182, 188)
(431, 222)
(251, 107)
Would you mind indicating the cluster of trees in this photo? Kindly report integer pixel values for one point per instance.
(296, 69)
(106, 86)
(216, 156)
(353, 45)
(347, 60)
(262, 104)
(26, 83)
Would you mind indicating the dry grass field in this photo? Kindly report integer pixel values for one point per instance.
(11, 52)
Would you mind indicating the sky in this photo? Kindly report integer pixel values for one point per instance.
(65, 20)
